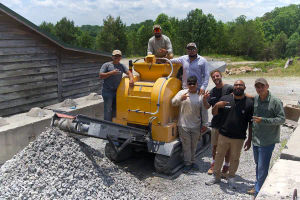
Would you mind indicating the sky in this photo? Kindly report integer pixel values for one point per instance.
(93, 12)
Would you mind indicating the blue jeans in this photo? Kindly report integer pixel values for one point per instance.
(109, 98)
(262, 157)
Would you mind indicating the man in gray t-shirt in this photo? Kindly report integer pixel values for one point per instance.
(160, 45)
(112, 73)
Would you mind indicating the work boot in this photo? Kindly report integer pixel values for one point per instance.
(251, 191)
(211, 169)
(224, 171)
(195, 167)
(187, 168)
(232, 182)
(213, 180)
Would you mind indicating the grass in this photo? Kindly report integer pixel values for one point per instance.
(272, 68)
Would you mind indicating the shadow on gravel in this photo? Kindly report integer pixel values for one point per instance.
(241, 186)
(93, 155)
(140, 165)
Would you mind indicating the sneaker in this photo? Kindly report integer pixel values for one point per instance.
(231, 183)
(212, 181)
(251, 191)
(224, 171)
(195, 167)
(211, 169)
(187, 168)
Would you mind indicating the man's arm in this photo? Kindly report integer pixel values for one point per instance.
(204, 115)
(169, 46)
(150, 49)
(131, 81)
(279, 118)
(108, 74)
(220, 104)
(249, 138)
(206, 76)
(177, 60)
(205, 102)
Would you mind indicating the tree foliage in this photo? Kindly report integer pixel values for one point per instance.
(275, 35)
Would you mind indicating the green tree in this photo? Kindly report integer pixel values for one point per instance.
(112, 35)
(47, 27)
(279, 45)
(293, 45)
(66, 31)
(85, 40)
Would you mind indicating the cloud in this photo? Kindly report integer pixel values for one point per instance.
(135, 11)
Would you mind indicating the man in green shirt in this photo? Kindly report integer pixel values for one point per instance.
(268, 115)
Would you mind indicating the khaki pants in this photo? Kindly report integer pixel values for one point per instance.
(189, 139)
(235, 146)
(214, 136)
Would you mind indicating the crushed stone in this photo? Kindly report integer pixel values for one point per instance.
(57, 166)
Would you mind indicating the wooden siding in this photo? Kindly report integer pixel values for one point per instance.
(34, 72)
(28, 69)
(80, 74)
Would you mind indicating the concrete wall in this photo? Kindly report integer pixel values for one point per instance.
(284, 177)
(23, 129)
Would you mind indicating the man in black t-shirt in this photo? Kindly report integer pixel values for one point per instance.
(210, 99)
(235, 112)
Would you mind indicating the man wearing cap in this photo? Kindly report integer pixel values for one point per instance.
(192, 121)
(112, 73)
(160, 45)
(194, 65)
(267, 117)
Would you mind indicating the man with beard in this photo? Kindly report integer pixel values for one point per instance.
(210, 99)
(194, 65)
(160, 45)
(235, 112)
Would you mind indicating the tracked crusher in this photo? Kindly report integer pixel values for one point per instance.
(145, 119)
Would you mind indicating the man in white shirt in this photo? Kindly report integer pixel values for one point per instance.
(193, 119)
(160, 45)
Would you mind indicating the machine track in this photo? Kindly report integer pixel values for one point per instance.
(170, 165)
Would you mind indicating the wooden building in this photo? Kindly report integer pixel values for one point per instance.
(37, 70)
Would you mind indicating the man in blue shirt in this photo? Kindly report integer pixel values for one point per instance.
(194, 65)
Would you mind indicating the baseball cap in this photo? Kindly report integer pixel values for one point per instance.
(192, 44)
(156, 26)
(117, 52)
(262, 81)
(192, 79)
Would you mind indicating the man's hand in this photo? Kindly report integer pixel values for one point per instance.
(163, 51)
(184, 96)
(201, 91)
(115, 71)
(206, 95)
(247, 145)
(256, 119)
(222, 104)
(203, 129)
(131, 82)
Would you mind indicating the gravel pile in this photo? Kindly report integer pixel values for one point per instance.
(56, 166)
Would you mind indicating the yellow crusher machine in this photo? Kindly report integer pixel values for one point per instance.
(145, 118)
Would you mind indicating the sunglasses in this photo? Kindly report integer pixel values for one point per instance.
(191, 83)
(157, 30)
(191, 49)
(117, 56)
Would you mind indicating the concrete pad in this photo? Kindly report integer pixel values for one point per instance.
(283, 178)
(292, 150)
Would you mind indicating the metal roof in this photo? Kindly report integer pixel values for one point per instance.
(47, 35)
